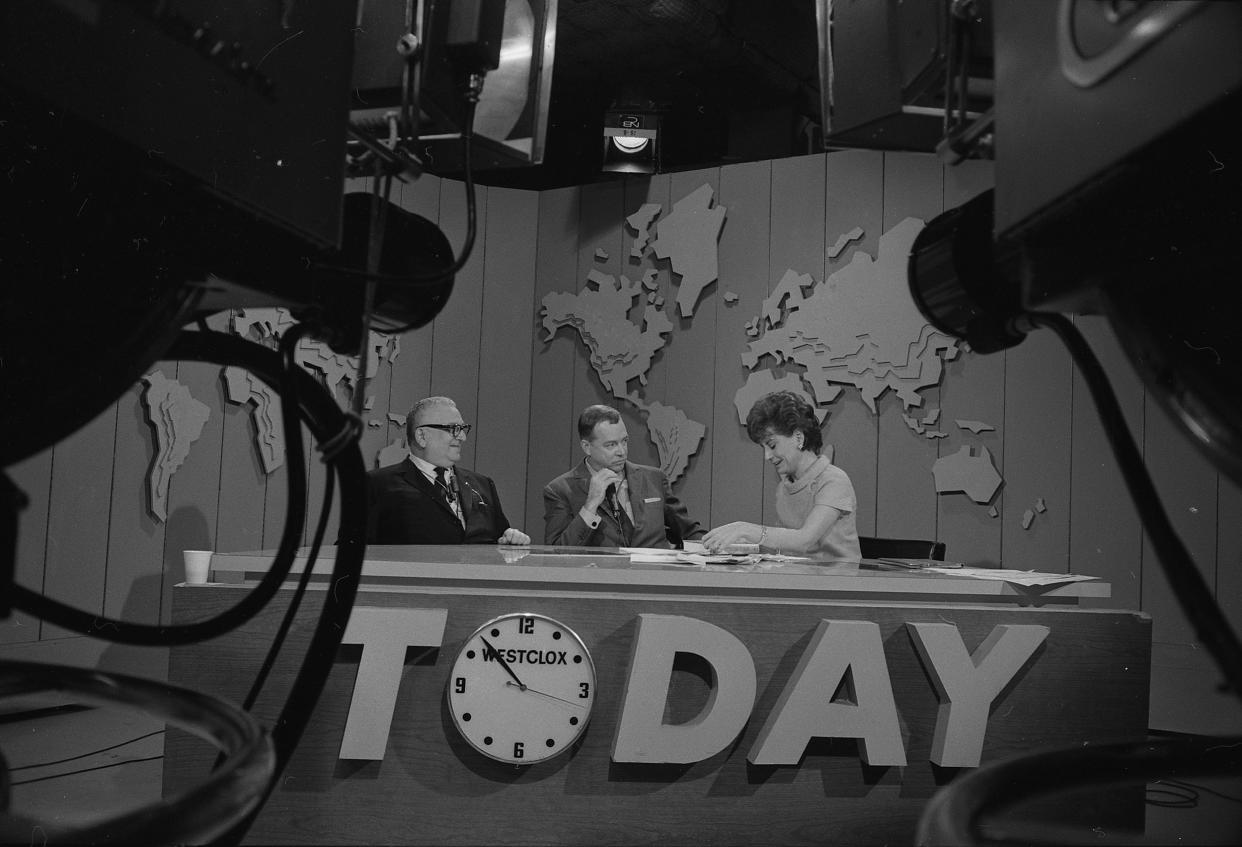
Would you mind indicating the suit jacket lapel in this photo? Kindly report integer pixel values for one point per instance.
(470, 498)
(415, 478)
(638, 491)
(582, 479)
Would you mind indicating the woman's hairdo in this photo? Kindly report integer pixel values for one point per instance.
(784, 412)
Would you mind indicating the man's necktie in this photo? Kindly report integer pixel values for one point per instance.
(446, 490)
(624, 524)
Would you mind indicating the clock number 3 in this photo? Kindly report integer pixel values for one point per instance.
(584, 691)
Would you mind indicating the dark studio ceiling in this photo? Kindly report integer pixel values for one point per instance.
(734, 80)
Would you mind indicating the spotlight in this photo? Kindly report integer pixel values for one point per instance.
(629, 144)
(632, 140)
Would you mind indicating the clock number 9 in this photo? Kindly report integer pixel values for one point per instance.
(459, 685)
(526, 626)
(584, 690)
(518, 750)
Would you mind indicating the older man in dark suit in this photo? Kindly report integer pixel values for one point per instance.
(608, 501)
(428, 498)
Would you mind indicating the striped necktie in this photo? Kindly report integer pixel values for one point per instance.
(446, 491)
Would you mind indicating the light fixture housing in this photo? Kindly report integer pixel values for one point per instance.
(632, 140)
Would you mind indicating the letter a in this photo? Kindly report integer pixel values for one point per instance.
(806, 709)
(384, 633)
(967, 684)
(642, 735)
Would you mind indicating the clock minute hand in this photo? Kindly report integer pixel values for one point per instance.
(530, 690)
(503, 663)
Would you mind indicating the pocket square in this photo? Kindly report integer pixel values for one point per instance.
(651, 499)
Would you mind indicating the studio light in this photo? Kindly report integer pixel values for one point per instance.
(632, 140)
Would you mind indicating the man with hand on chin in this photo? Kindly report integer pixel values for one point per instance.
(428, 498)
(608, 501)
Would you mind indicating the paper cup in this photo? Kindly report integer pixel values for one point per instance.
(197, 566)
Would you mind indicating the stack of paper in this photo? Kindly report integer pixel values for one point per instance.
(1016, 577)
(719, 559)
(890, 564)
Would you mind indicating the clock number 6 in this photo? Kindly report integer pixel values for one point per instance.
(526, 626)
(518, 750)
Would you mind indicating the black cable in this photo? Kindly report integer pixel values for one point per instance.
(84, 755)
(952, 816)
(298, 594)
(324, 417)
(1195, 787)
(431, 278)
(1181, 798)
(963, 76)
(225, 350)
(1188, 585)
(295, 601)
(87, 770)
(375, 251)
(290, 402)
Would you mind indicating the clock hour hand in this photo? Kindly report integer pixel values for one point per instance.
(530, 690)
(503, 663)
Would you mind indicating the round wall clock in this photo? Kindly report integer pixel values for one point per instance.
(521, 688)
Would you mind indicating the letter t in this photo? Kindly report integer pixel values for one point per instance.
(384, 634)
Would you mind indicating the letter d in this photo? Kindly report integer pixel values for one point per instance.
(642, 736)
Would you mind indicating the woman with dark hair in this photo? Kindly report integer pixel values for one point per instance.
(814, 498)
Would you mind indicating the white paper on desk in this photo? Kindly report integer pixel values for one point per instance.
(652, 556)
(718, 559)
(1016, 577)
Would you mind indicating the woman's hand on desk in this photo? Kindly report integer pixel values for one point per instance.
(738, 532)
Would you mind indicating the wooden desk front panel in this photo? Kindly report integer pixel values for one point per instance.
(1087, 682)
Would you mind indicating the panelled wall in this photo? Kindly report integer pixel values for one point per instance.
(88, 538)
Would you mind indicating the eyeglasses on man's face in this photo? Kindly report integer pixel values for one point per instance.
(454, 430)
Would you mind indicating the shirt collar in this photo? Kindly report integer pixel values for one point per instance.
(590, 469)
(428, 469)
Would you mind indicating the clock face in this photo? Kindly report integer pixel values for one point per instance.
(522, 687)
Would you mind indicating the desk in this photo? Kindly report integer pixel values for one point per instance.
(1086, 681)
